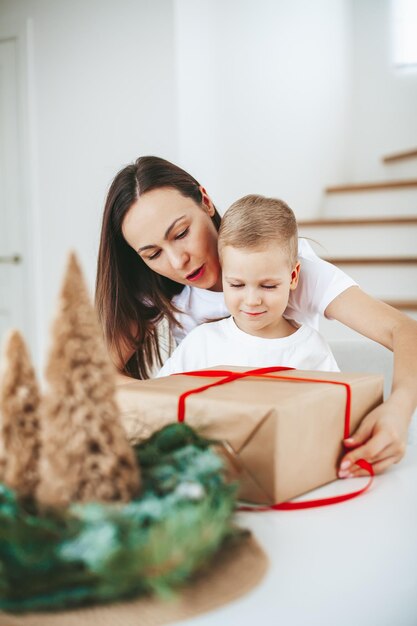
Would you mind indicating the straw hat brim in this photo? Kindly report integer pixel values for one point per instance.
(234, 571)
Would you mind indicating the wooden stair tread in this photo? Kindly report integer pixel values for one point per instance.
(406, 260)
(366, 221)
(399, 156)
(375, 186)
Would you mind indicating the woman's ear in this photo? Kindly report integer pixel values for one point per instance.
(295, 275)
(207, 203)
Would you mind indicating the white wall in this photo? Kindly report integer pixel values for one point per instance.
(102, 93)
(264, 96)
(384, 106)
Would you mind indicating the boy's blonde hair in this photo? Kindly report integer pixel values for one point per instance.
(256, 221)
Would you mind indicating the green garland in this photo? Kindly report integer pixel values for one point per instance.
(101, 552)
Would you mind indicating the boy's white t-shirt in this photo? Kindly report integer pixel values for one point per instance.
(319, 283)
(223, 343)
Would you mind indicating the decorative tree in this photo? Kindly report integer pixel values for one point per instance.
(19, 407)
(85, 453)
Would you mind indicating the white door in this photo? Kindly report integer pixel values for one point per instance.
(13, 312)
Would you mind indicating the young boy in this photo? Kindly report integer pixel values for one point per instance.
(258, 242)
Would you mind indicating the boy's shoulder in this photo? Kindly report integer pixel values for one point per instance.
(216, 327)
(306, 331)
(209, 329)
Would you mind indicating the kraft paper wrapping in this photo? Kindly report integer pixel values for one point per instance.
(285, 437)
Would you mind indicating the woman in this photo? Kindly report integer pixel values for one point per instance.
(158, 259)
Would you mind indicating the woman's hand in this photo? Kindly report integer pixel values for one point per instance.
(380, 439)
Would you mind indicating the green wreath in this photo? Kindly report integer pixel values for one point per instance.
(101, 552)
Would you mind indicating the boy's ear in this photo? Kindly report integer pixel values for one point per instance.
(207, 203)
(295, 275)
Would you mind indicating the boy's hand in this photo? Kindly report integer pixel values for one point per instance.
(380, 439)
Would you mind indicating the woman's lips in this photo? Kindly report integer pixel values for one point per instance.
(196, 274)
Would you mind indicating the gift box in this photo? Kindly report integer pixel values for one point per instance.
(281, 432)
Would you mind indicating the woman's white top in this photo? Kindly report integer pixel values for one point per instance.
(223, 343)
(319, 283)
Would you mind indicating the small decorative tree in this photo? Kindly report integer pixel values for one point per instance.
(85, 453)
(19, 408)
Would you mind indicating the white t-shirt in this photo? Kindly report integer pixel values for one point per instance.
(319, 283)
(223, 343)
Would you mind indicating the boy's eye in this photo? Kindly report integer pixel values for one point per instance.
(235, 285)
(269, 286)
(182, 234)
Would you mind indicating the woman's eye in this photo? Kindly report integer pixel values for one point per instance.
(269, 286)
(182, 234)
(154, 256)
(235, 286)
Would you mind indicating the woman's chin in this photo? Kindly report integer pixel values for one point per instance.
(216, 282)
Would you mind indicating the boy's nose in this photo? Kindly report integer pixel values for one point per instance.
(253, 298)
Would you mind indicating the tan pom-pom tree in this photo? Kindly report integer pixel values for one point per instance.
(85, 453)
(19, 419)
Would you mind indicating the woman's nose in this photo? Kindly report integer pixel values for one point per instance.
(178, 259)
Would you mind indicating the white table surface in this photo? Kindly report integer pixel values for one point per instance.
(349, 564)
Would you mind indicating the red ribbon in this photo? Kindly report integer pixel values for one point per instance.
(265, 372)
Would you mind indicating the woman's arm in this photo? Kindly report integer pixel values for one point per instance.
(382, 435)
(122, 379)
(119, 363)
(120, 359)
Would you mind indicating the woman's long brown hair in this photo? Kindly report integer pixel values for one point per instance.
(130, 298)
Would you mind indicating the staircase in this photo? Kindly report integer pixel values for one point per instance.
(370, 231)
